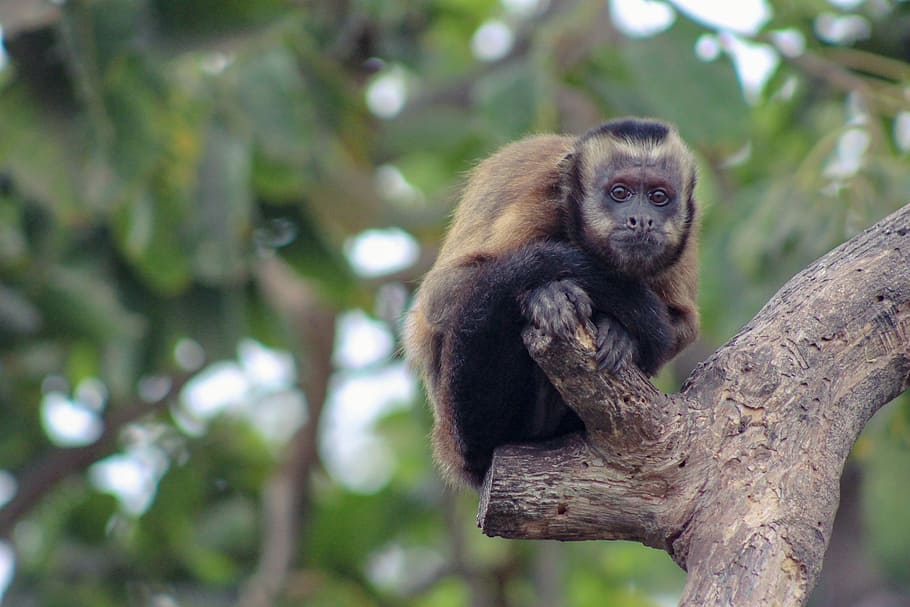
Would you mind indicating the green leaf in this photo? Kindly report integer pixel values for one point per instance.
(180, 18)
(277, 103)
(79, 303)
(49, 171)
(148, 229)
(220, 227)
(18, 316)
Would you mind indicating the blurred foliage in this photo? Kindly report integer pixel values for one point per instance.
(157, 155)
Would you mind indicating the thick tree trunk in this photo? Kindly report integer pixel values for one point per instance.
(737, 475)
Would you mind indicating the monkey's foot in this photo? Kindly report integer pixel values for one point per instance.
(615, 347)
(559, 308)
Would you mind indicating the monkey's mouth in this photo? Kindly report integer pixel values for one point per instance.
(638, 253)
(634, 240)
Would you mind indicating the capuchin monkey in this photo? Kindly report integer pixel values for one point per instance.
(592, 233)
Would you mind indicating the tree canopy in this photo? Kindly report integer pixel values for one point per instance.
(213, 213)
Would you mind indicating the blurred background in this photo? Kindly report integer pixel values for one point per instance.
(213, 213)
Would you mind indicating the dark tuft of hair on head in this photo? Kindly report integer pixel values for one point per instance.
(632, 129)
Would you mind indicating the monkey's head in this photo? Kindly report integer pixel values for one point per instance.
(628, 186)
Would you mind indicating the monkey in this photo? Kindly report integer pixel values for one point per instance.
(594, 233)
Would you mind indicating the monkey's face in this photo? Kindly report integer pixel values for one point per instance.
(632, 214)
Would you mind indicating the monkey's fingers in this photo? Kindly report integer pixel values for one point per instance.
(615, 347)
(559, 308)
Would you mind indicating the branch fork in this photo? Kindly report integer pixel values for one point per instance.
(736, 476)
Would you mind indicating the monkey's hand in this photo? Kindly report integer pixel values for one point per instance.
(615, 347)
(559, 308)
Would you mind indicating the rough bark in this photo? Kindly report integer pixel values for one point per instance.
(737, 475)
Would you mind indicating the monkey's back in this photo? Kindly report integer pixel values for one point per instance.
(509, 200)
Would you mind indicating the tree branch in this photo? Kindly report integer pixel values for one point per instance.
(44, 476)
(285, 498)
(736, 476)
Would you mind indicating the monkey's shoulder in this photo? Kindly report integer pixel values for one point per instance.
(509, 199)
(524, 172)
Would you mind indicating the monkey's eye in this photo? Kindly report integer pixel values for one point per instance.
(620, 193)
(659, 197)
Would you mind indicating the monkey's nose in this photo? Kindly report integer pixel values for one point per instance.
(634, 222)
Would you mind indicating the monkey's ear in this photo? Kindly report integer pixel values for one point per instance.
(565, 165)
